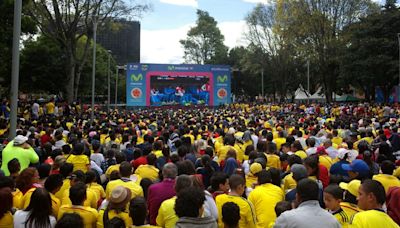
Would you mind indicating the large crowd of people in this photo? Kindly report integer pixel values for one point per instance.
(239, 165)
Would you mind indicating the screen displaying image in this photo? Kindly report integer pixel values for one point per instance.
(179, 90)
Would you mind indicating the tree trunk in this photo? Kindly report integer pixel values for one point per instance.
(69, 86)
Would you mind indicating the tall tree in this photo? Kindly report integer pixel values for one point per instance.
(204, 43)
(273, 55)
(28, 28)
(314, 28)
(372, 52)
(67, 21)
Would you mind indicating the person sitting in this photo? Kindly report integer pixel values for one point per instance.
(386, 178)
(118, 199)
(333, 196)
(6, 199)
(309, 213)
(247, 215)
(166, 215)
(371, 198)
(230, 215)
(38, 213)
(77, 195)
(189, 209)
(78, 159)
(91, 198)
(69, 220)
(125, 171)
(149, 170)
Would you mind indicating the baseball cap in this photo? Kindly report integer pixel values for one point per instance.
(19, 140)
(299, 172)
(357, 166)
(255, 168)
(351, 187)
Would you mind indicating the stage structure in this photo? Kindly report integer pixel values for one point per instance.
(181, 85)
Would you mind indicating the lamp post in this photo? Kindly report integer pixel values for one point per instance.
(262, 83)
(93, 66)
(108, 81)
(15, 68)
(398, 37)
(116, 83)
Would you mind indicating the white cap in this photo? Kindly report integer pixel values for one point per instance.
(19, 140)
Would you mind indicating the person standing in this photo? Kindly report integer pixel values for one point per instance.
(308, 214)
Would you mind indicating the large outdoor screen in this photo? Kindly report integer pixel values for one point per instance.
(179, 90)
(181, 85)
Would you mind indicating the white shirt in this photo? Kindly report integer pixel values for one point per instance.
(98, 158)
(311, 150)
(20, 218)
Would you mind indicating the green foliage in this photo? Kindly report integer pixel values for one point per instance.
(42, 68)
(372, 52)
(6, 31)
(205, 42)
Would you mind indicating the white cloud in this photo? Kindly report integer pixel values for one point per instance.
(162, 46)
(192, 3)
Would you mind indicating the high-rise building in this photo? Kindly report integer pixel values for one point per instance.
(123, 39)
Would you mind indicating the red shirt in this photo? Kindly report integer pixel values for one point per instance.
(45, 138)
(324, 175)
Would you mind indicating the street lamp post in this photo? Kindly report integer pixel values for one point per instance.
(108, 81)
(398, 37)
(262, 83)
(116, 87)
(93, 66)
(15, 68)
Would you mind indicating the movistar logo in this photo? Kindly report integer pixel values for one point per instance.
(171, 67)
(222, 79)
(137, 78)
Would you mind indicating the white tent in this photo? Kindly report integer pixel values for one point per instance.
(301, 94)
(318, 95)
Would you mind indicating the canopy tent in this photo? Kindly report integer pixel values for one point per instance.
(301, 94)
(318, 95)
(347, 98)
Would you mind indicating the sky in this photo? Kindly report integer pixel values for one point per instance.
(170, 20)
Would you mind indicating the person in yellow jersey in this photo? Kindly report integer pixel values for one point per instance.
(78, 159)
(149, 170)
(298, 150)
(90, 199)
(279, 140)
(166, 214)
(94, 186)
(157, 148)
(386, 178)
(371, 197)
(349, 203)
(251, 178)
(273, 160)
(138, 212)
(247, 213)
(264, 198)
(77, 195)
(324, 158)
(119, 158)
(50, 106)
(125, 171)
(6, 199)
(118, 200)
(52, 185)
(66, 172)
(333, 196)
(229, 143)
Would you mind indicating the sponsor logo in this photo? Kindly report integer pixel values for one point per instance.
(136, 93)
(222, 79)
(222, 93)
(145, 67)
(137, 78)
